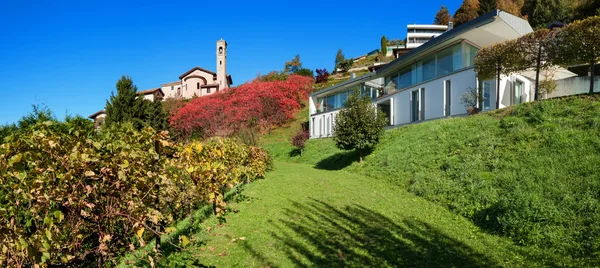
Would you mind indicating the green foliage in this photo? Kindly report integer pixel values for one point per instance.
(305, 72)
(442, 17)
(577, 43)
(128, 107)
(339, 59)
(540, 13)
(383, 49)
(395, 42)
(359, 125)
(70, 196)
(346, 65)
(486, 6)
(293, 66)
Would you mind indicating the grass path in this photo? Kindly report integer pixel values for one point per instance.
(302, 216)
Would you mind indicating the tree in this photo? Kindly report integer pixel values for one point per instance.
(442, 17)
(384, 42)
(540, 13)
(128, 106)
(293, 65)
(346, 65)
(395, 42)
(359, 125)
(305, 72)
(577, 43)
(466, 12)
(486, 6)
(511, 6)
(322, 76)
(534, 55)
(496, 60)
(339, 59)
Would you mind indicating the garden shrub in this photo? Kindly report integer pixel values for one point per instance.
(69, 197)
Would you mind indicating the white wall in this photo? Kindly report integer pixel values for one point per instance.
(575, 85)
(434, 97)
(170, 93)
(321, 125)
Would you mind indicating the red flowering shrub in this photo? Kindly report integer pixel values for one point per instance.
(262, 104)
(300, 139)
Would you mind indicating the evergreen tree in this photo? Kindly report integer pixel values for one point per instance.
(442, 17)
(383, 51)
(540, 13)
(466, 12)
(128, 106)
(486, 6)
(359, 125)
(339, 58)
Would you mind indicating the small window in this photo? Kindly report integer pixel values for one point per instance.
(172, 87)
(447, 97)
(198, 85)
(220, 63)
(208, 91)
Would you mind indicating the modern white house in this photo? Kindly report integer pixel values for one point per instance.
(428, 81)
(418, 34)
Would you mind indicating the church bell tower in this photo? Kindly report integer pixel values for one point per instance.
(222, 64)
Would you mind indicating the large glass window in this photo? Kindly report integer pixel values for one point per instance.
(428, 67)
(469, 55)
(405, 77)
(518, 91)
(449, 60)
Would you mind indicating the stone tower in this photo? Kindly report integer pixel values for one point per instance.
(222, 64)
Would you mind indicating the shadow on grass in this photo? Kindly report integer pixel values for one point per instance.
(341, 160)
(317, 234)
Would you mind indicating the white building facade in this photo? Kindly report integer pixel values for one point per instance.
(428, 82)
(418, 34)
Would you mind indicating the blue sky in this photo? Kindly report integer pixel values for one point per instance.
(68, 55)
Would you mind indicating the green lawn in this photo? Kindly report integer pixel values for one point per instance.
(303, 216)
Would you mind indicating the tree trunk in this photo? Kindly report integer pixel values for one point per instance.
(360, 159)
(498, 86)
(537, 74)
(592, 78)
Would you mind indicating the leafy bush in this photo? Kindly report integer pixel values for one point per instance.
(305, 72)
(470, 99)
(300, 138)
(322, 76)
(70, 197)
(255, 104)
(273, 76)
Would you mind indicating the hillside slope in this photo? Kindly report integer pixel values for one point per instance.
(528, 172)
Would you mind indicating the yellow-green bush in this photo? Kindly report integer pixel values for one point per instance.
(71, 198)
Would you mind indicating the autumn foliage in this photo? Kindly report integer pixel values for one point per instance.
(70, 197)
(260, 104)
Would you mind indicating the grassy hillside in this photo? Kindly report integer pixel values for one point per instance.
(528, 172)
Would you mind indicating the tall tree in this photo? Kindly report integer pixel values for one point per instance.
(339, 58)
(128, 106)
(466, 12)
(442, 17)
(486, 6)
(578, 43)
(533, 55)
(540, 13)
(293, 65)
(384, 42)
(359, 125)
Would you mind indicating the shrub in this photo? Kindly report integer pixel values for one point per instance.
(305, 72)
(470, 99)
(322, 76)
(256, 104)
(69, 197)
(299, 140)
